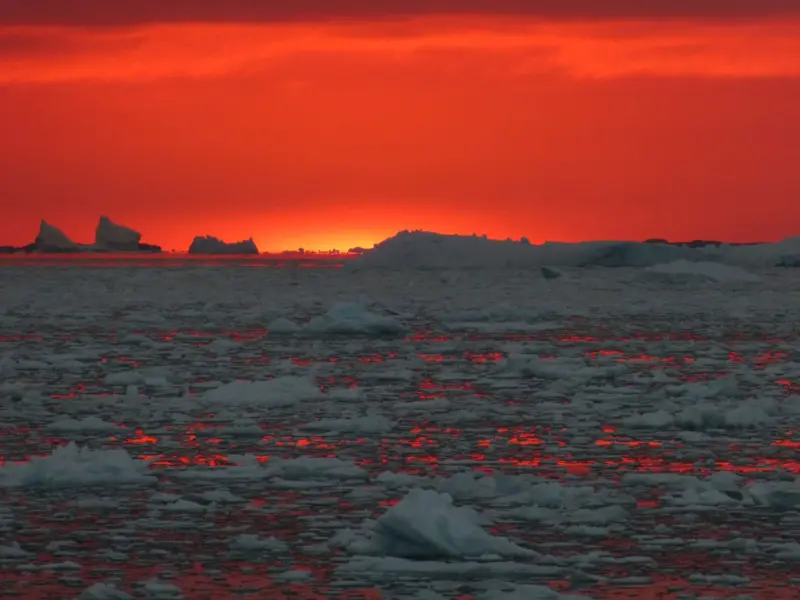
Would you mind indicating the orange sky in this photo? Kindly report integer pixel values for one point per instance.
(319, 132)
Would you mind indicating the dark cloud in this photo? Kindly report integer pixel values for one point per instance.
(128, 12)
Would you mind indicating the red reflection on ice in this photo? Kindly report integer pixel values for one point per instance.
(140, 439)
(431, 358)
(428, 335)
(525, 439)
(787, 444)
(371, 359)
(772, 356)
(630, 443)
(484, 357)
(641, 357)
(74, 390)
(161, 460)
(427, 389)
(246, 336)
(20, 337)
(792, 388)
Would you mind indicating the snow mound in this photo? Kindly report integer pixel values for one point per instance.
(348, 318)
(685, 271)
(210, 245)
(72, 465)
(278, 392)
(111, 236)
(426, 525)
(52, 239)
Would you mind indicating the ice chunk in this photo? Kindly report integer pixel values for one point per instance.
(13, 551)
(426, 525)
(362, 425)
(252, 543)
(657, 420)
(281, 391)
(155, 588)
(283, 326)
(104, 591)
(354, 319)
(72, 465)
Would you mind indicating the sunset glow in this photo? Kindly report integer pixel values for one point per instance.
(328, 133)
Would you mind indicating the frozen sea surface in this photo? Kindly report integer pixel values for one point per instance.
(219, 432)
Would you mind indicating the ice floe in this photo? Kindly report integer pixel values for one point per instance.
(72, 465)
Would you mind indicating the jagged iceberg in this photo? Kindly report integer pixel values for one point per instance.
(52, 239)
(210, 245)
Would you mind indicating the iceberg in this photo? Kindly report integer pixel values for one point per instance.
(111, 236)
(210, 245)
(52, 239)
(108, 237)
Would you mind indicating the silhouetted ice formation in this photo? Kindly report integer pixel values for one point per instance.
(111, 236)
(210, 245)
(52, 239)
(427, 250)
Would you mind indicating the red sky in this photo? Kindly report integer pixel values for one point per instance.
(336, 123)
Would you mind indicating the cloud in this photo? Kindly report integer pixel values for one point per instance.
(509, 47)
(121, 13)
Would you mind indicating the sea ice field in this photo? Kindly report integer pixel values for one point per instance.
(218, 431)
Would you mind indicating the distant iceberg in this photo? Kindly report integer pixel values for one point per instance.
(210, 245)
(52, 239)
(110, 236)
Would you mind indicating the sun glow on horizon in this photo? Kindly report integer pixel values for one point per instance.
(334, 135)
